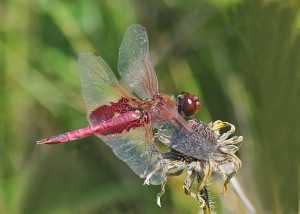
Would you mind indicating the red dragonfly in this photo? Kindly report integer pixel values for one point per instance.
(124, 113)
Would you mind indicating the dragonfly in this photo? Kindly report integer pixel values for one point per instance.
(124, 113)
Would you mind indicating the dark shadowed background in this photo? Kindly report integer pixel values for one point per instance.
(242, 58)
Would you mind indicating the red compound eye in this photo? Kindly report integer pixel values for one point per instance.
(187, 104)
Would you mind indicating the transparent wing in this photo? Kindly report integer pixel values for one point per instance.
(166, 112)
(98, 83)
(134, 63)
(143, 158)
(100, 87)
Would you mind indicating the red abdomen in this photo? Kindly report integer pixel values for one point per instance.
(115, 125)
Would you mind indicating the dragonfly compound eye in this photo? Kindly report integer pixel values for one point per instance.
(187, 104)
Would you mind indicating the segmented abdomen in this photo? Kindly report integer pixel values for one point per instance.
(114, 125)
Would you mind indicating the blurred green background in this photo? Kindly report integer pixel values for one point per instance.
(242, 58)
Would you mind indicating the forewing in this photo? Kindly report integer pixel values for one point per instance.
(98, 83)
(134, 63)
(141, 157)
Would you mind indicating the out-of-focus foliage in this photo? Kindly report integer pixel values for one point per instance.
(242, 58)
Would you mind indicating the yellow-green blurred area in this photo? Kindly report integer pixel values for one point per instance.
(242, 58)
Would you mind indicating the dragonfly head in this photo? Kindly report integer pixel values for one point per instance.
(187, 104)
